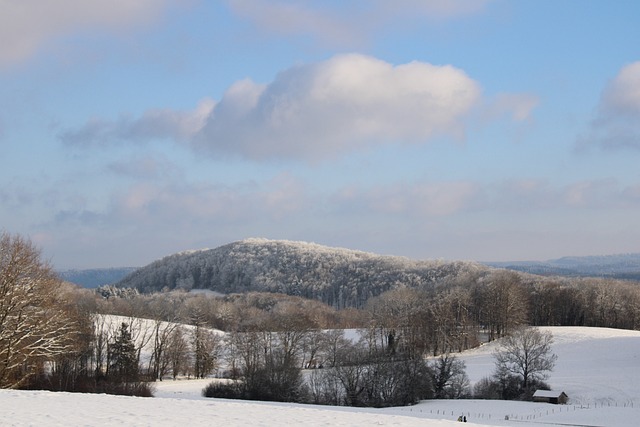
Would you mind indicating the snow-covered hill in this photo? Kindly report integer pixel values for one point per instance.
(338, 277)
(597, 368)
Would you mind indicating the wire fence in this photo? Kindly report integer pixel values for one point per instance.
(544, 410)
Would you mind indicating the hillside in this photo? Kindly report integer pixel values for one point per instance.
(338, 277)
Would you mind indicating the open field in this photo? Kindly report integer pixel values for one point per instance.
(597, 368)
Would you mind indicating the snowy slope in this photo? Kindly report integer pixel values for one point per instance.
(595, 365)
(598, 368)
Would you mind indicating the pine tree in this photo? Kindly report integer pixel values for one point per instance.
(123, 360)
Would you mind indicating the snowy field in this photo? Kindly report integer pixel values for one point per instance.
(598, 368)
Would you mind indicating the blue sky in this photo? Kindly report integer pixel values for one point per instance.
(488, 130)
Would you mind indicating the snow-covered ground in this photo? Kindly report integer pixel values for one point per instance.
(598, 368)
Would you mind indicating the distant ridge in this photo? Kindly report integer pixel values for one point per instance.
(93, 278)
(336, 276)
(621, 266)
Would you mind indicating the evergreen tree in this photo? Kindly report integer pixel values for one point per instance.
(123, 359)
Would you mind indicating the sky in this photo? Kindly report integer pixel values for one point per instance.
(487, 130)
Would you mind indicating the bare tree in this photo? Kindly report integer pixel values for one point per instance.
(162, 332)
(336, 342)
(398, 322)
(506, 303)
(450, 380)
(177, 354)
(206, 351)
(141, 334)
(34, 324)
(292, 326)
(526, 353)
(349, 372)
(102, 334)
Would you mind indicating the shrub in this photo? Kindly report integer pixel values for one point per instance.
(486, 389)
(137, 388)
(87, 384)
(223, 390)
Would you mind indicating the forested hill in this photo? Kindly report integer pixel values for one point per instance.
(338, 277)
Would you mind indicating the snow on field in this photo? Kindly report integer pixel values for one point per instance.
(597, 368)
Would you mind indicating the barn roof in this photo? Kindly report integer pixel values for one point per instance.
(548, 393)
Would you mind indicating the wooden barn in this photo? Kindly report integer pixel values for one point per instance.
(550, 396)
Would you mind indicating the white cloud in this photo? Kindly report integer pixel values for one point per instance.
(154, 124)
(617, 124)
(350, 25)
(318, 110)
(411, 200)
(201, 203)
(25, 26)
(535, 195)
(451, 198)
(622, 95)
(294, 18)
(448, 199)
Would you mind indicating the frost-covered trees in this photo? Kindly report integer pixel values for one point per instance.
(36, 324)
(338, 277)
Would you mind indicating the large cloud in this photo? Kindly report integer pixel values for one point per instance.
(617, 124)
(317, 110)
(27, 25)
